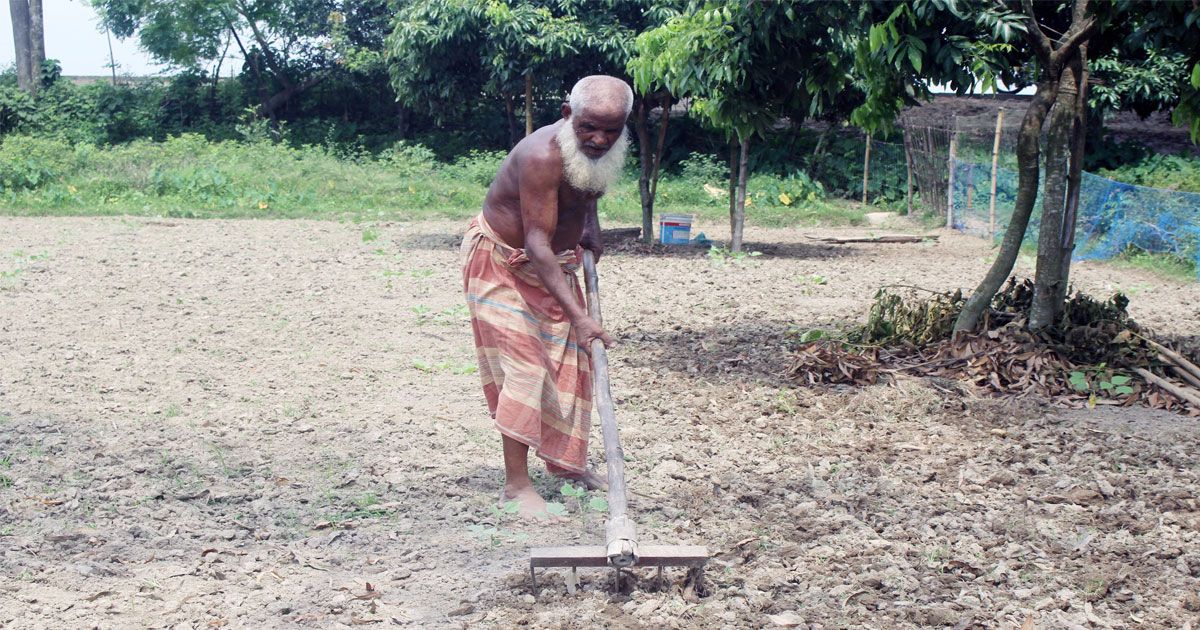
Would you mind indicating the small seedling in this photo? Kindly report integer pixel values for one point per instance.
(493, 534)
(422, 313)
(370, 235)
(583, 499)
(452, 314)
(813, 334)
(508, 509)
(719, 256)
(1101, 383)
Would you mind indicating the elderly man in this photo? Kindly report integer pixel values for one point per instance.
(519, 261)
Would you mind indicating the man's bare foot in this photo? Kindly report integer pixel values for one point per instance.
(590, 480)
(530, 504)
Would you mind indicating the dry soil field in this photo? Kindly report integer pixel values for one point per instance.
(262, 424)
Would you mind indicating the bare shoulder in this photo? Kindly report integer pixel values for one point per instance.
(538, 155)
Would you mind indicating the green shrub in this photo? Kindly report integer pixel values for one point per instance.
(704, 168)
(409, 159)
(479, 166)
(797, 189)
(28, 163)
(1171, 172)
(16, 108)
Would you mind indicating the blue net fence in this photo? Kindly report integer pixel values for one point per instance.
(1114, 219)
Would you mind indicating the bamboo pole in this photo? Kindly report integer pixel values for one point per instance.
(620, 532)
(995, 172)
(528, 103)
(1181, 372)
(950, 178)
(1182, 393)
(908, 166)
(970, 194)
(866, 167)
(1175, 358)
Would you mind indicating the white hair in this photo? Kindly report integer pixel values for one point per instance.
(598, 90)
(588, 174)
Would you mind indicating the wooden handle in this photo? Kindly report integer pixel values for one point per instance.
(620, 531)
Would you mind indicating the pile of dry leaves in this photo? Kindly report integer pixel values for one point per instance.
(1096, 355)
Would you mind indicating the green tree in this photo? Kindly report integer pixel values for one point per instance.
(29, 42)
(1049, 46)
(445, 54)
(286, 43)
(741, 64)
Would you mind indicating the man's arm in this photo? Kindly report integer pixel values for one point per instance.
(591, 232)
(539, 213)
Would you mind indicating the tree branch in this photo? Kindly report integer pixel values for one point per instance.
(287, 93)
(1068, 48)
(268, 55)
(1041, 43)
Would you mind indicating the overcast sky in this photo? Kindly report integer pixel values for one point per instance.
(75, 38)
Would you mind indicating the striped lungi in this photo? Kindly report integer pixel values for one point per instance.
(536, 378)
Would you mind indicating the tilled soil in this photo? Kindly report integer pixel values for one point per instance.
(275, 424)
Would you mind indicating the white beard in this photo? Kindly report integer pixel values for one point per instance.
(585, 173)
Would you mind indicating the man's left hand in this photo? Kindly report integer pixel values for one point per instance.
(593, 245)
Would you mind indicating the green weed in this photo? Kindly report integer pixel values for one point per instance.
(444, 366)
(494, 535)
(1167, 265)
(720, 256)
(1100, 382)
(584, 501)
(190, 176)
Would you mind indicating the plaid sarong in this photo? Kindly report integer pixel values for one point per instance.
(536, 379)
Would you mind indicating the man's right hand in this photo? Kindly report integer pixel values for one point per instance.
(587, 329)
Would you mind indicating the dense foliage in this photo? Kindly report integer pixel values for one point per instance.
(452, 64)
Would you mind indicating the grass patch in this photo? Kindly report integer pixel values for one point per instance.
(1166, 265)
(189, 176)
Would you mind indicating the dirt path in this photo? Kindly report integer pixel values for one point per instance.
(276, 424)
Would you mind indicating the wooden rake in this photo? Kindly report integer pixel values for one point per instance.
(621, 549)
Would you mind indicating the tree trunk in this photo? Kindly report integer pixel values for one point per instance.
(285, 95)
(1052, 236)
(866, 168)
(510, 115)
(660, 147)
(646, 161)
(820, 148)
(19, 11)
(37, 43)
(1075, 176)
(739, 209)
(1028, 171)
(733, 180)
(403, 117)
(112, 60)
(255, 69)
(528, 103)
